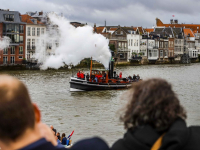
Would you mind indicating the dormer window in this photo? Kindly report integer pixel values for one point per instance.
(197, 27)
(9, 17)
(121, 32)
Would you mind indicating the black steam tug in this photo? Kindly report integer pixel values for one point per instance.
(108, 81)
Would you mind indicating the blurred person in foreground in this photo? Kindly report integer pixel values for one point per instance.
(20, 122)
(154, 119)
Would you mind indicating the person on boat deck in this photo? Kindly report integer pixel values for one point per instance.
(87, 77)
(120, 75)
(82, 75)
(134, 77)
(96, 78)
(137, 77)
(104, 76)
(78, 74)
(63, 139)
(154, 119)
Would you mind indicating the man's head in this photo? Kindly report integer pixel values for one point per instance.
(17, 113)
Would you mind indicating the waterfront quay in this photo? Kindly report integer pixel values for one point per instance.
(96, 113)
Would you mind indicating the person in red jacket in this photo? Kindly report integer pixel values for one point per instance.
(120, 75)
(82, 75)
(78, 74)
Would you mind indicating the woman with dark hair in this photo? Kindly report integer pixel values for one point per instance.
(63, 139)
(154, 119)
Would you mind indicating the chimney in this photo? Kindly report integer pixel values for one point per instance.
(176, 21)
(94, 25)
(171, 21)
(41, 13)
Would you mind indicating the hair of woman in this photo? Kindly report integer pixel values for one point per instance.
(152, 102)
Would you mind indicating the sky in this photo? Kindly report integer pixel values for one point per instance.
(115, 12)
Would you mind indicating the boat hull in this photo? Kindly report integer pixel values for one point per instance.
(83, 85)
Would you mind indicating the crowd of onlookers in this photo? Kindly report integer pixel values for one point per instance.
(62, 140)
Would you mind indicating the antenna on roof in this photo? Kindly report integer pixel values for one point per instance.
(105, 23)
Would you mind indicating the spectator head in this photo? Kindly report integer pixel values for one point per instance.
(18, 114)
(63, 135)
(152, 102)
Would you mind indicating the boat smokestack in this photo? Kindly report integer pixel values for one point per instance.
(111, 67)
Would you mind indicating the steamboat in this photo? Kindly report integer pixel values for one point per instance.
(100, 80)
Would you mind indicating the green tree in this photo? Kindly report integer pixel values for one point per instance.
(112, 47)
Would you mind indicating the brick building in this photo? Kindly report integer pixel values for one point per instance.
(12, 27)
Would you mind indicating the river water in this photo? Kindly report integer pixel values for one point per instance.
(95, 113)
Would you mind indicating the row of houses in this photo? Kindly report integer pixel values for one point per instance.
(25, 32)
(162, 43)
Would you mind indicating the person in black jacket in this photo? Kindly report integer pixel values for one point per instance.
(154, 112)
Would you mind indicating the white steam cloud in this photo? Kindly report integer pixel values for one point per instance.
(4, 42)
(70, 45)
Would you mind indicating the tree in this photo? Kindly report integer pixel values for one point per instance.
(112, 47)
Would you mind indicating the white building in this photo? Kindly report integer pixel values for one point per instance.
(34, 30)
(133, 41)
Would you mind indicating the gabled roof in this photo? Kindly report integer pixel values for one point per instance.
(149, 30)
(113, 29)
(127, 29)
(98, 29)
(27, 19)
(188, 32)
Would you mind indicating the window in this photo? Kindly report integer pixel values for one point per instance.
(9, 17)
(20, 57)
(161, 53)
(28, 44)
(131, 42)
(21, 50)
(42, 31)
(5, 59)
(33, 43)
(12, 50)
(137, 42)
(153, 53)
(125, 45)
(21, 30)
(12, 59)
(21, 39)
(166, 54)
(29, 31)
(13, 28)
(33, 31)
(121, 32)
(122, 44)
(38, 31)
(119, 44)
(5, 51)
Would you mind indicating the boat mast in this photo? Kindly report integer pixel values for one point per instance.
(91, 69)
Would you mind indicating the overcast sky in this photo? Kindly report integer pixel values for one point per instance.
(115, 12)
